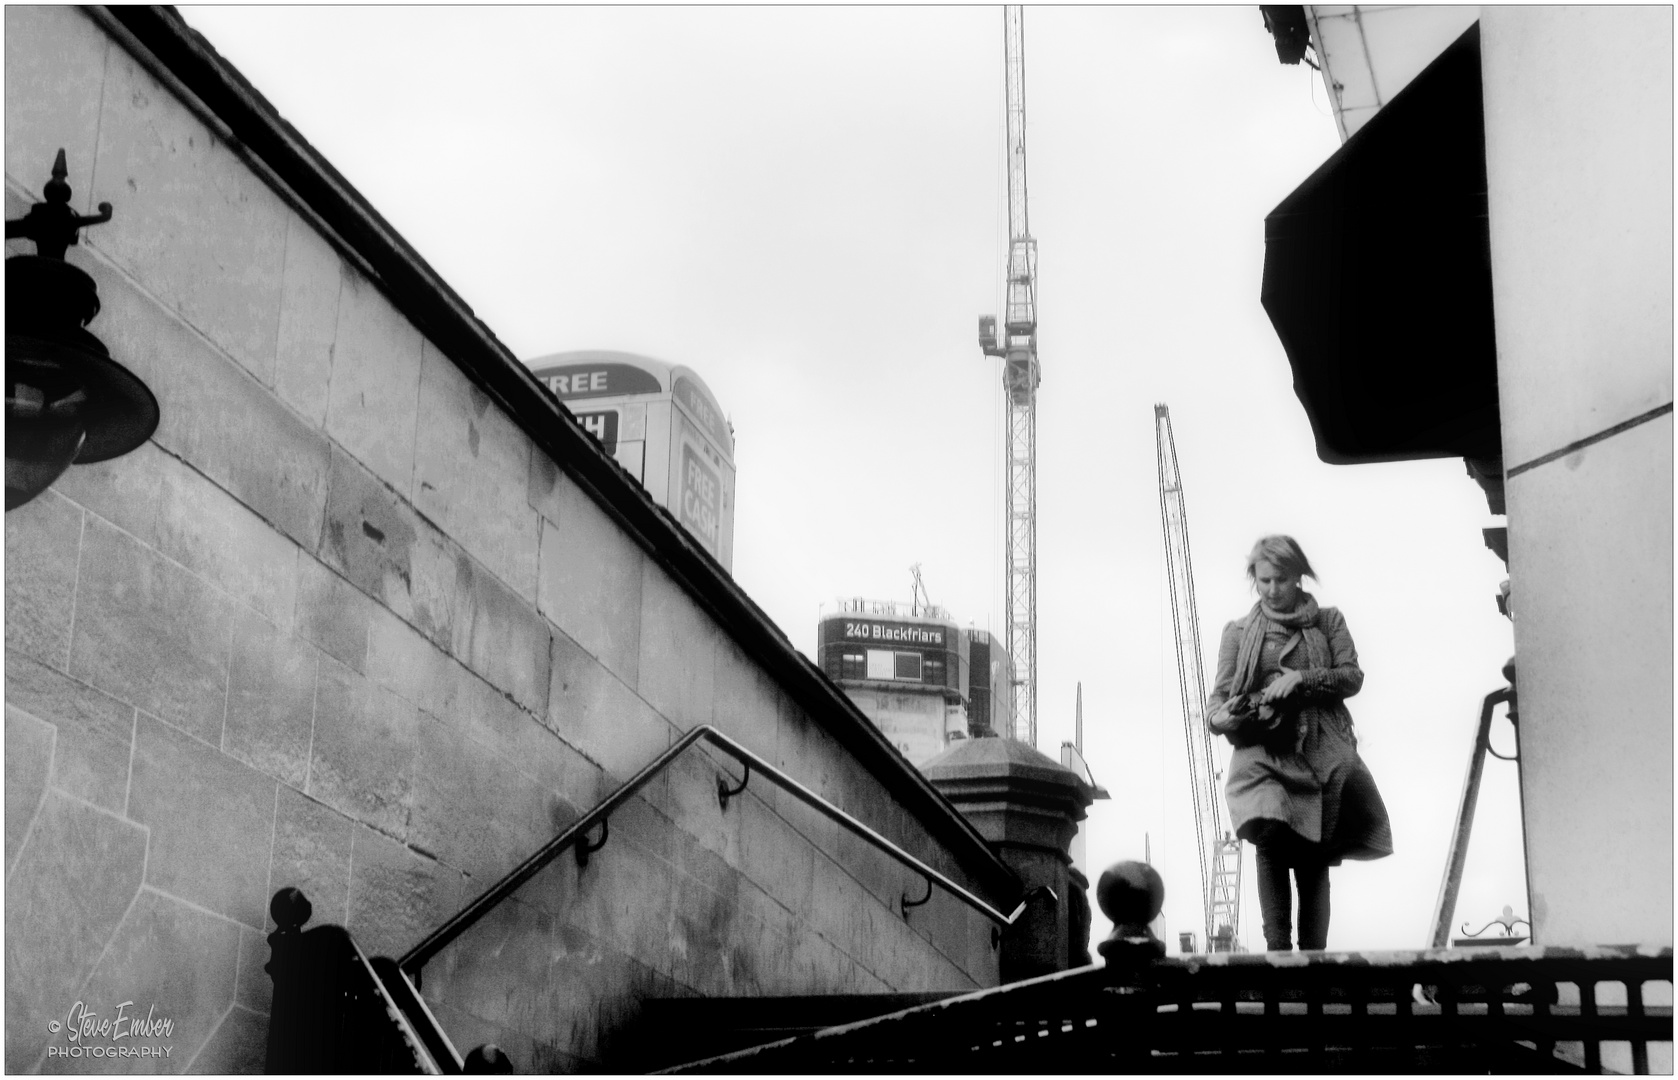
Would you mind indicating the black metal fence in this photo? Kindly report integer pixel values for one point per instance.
(334, 1011)
(1497, 1010)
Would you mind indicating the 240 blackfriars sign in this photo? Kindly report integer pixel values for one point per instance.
(892, 632)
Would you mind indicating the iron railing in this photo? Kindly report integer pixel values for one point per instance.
(1445, 909)
(574, 838)
(336, 1011)
(1473, 1010)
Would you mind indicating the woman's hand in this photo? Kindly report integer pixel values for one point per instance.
(1282, 686)
(1219, 717)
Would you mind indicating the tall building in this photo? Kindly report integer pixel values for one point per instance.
(661, 423)
(990, 695)
(921, 679)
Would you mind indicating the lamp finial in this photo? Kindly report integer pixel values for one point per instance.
(52, 224)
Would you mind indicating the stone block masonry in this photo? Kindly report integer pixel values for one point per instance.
(349, 622)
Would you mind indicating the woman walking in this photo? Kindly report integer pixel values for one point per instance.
(1297, 790)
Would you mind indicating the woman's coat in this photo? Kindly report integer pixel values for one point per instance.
(1322, 791)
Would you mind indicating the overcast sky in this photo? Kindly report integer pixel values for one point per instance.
(808, 207)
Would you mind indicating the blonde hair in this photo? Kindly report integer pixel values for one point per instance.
(1282, 552)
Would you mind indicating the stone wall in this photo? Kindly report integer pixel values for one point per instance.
(341, 624)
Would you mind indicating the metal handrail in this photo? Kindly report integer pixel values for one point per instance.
(440, 938)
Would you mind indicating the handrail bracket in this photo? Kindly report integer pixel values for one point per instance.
(584, 849)
(725, 793)
(905, 904)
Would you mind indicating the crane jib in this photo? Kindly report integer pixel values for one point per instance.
(1219, 853)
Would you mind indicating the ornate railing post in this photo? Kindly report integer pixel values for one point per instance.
(287, 1019)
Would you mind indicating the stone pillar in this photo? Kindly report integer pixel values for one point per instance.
(1027, 807)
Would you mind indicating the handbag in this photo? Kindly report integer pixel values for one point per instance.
(1250, 722)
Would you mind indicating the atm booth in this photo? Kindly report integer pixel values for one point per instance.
(661, 423)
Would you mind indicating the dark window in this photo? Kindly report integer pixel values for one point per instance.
(908, 666)
(853, 665)
(932, 672)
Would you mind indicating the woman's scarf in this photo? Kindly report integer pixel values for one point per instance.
(1302, 619)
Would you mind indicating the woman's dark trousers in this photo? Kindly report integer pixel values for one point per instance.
(1276, 898)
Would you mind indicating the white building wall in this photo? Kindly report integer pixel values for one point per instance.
(913, 721)
(1579, 164)
(1579, 158)
(1591, 562)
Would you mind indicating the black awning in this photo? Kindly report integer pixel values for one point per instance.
(1377, 278)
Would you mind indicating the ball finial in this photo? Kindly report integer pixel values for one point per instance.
(488, 1059)
(290, 908)
(1130, 892)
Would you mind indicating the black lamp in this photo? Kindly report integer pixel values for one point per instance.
(67, 401)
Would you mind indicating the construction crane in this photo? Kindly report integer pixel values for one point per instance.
(1219, 851)
(1017, 346)
(919, 601)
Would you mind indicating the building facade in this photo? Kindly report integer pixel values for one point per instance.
(907, 670)
(925, 681)
(1484, 270)
(990, 699)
